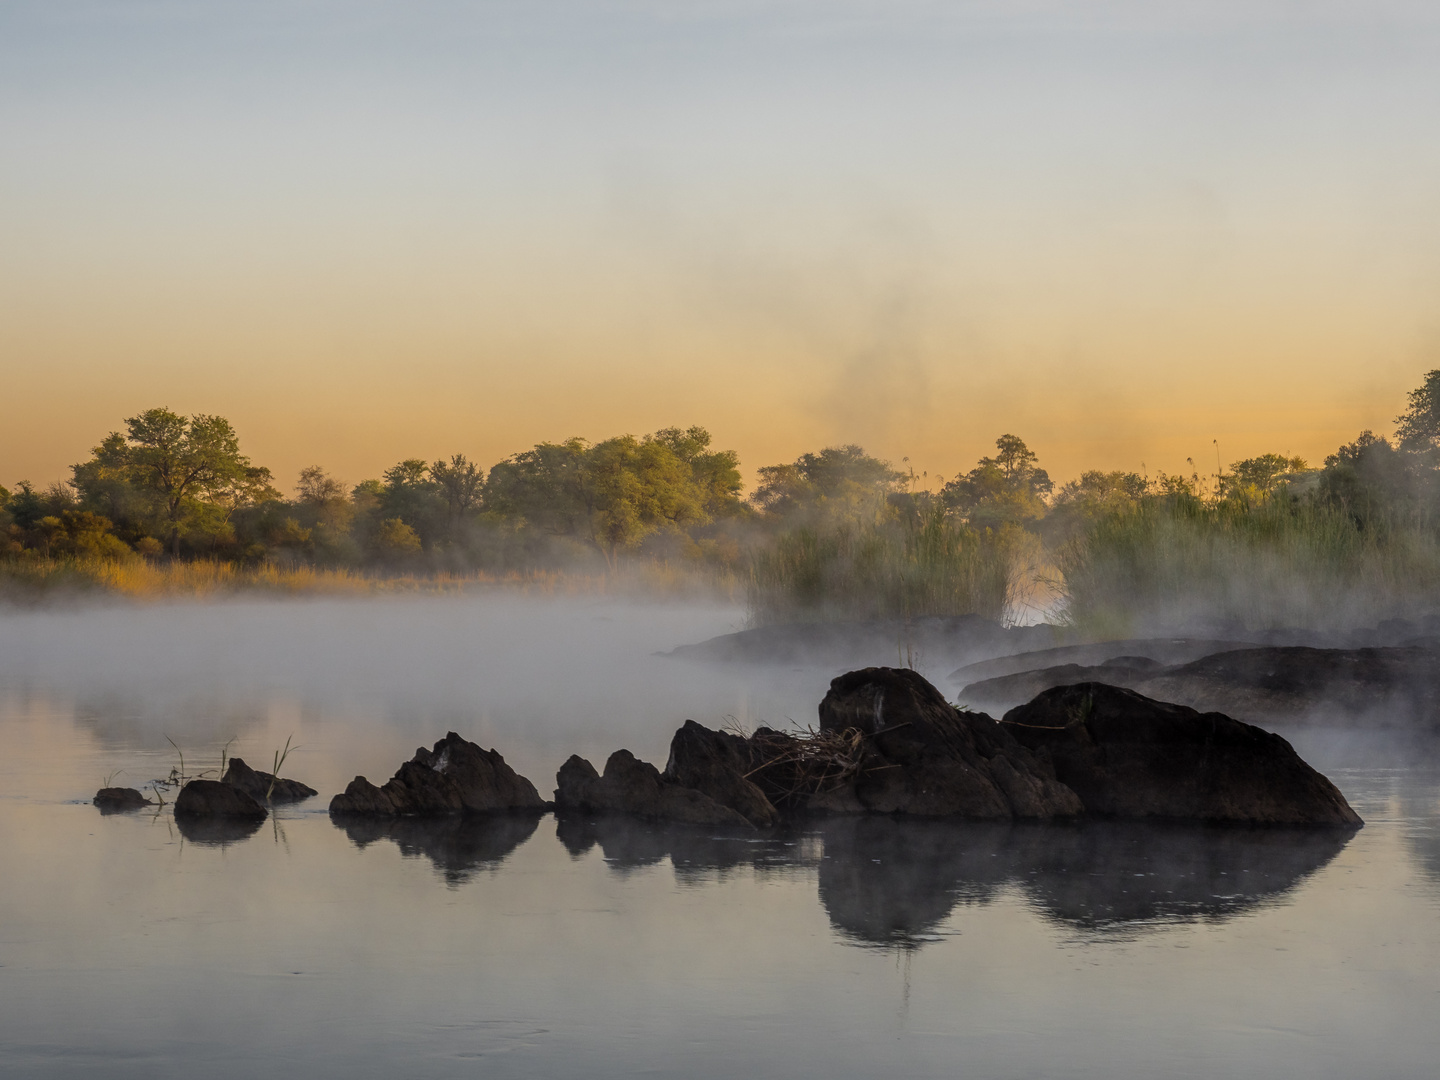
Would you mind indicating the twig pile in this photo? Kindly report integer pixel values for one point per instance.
(807, 761)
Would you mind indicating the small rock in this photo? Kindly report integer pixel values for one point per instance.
(456, 777)
(114, 800)
(211, 798)
(256, 784)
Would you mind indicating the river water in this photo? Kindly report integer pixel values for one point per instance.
(531, 948)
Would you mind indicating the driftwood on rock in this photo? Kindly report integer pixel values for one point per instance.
(1129, 756)
(211, 798)
(115, 800)
(257, 784)
(456, 777)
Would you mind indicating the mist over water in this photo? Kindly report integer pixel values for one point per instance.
(361, 683)
(518, 947)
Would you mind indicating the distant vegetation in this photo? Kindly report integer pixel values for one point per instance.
(172, 506)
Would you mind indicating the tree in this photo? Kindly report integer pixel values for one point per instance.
(1418, 427)
(546, 488)
(461, 482)
(839, 482)
(317, 487)
(1094, 495)
(1260, 475)
(1370, 477)
(184, 463)
(614, 494)
(715, 473)
(1009, 487)
(413, 497)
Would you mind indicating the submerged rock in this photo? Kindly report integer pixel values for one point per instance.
(256, 784)
(456, 777)
(1130, 756)
(115, 800)
(211, 798)
(636, 788)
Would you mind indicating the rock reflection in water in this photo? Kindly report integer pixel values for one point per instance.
(459, 847)
(217, 831)
(695, 852)
(893, 882)
(890, 882)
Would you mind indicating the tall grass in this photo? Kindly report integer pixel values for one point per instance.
(884, 568)
(1178, 563)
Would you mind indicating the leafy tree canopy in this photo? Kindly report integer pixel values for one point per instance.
(839, 481)
(1418, 427)
(1009, 487)
(181, 470)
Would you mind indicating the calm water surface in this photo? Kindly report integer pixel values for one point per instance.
(527, 947)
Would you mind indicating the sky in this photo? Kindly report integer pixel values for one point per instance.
(1129, 232)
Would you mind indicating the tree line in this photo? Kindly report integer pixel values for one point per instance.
(837, 522)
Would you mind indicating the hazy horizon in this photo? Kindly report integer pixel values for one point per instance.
(366, 232)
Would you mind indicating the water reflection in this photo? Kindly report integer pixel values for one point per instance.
(219, 831)
(696, 853)
(892, 882)
(459, 847)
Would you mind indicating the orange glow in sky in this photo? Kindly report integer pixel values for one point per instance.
(372, 232)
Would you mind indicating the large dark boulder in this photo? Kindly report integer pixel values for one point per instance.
(922, 756)
(456, 777)
(116, 800)
(1130, 756)
(717, 763)
(212, 799)
(636, 788)
(256, 784)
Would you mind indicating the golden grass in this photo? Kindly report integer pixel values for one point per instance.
(140, 579)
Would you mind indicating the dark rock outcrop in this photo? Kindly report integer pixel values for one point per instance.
(637, 789)
(1282, 684)
(256, 784)
(716, 763)
(924, 757)
(1161, 652)
(116, 800)
(212, 799)
(1382, 685)
(456, 777)
(1129, 756)
(854, 644)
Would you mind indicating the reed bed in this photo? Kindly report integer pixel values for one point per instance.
(882, 569)
(1269, 563)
